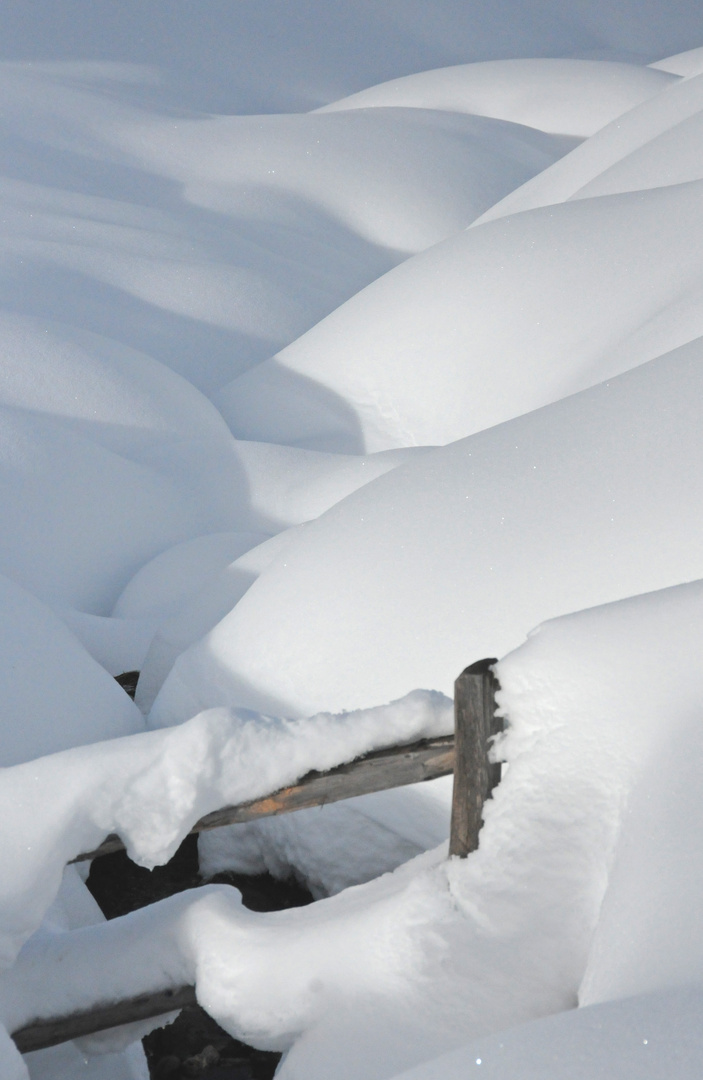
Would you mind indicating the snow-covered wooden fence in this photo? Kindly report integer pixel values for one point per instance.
(465, 754)
(378, 771)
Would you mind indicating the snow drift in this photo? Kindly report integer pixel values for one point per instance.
(595, 492)
(441, 951)
(492, 323)
(566, 97)
(452, 318)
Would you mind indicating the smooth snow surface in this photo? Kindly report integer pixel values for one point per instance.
(119, 645)
(595, 492)
(656, 144)
(440, 952)
(54, 694)
(340, 346)
(565, 97)
(163, 585)
(490, 324)
(211, 242)
(425, 173)
(287, 485)
(196, 617)
(686, 63)
(107, 458)
(649, 1037)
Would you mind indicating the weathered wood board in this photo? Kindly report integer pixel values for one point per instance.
(378, 771)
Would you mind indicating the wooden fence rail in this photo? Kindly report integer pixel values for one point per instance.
(378, 771)
(41, 1034)
(475, 776)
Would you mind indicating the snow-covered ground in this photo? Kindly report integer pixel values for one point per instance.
(341, 346)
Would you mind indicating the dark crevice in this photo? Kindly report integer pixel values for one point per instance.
(128, 682)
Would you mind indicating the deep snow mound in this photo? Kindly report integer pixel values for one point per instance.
(417, 962)
(214, 241)
(107, 458)
(456, 555)
(54, 695)
(565, 97)
(656, 144)
(496, 321)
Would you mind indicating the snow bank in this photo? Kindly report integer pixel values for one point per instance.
(583, 730)
(424, 173)
(54, 695)
(74, 908)
(686, 63)
(288, 485)
(150, 788)
(566, 97)
(194, 585)
(416, 574)
(649, 932)
(198, 616)
(654, 145)
(181, 573)
(648, 1037)
(107, 459)
(494, 322)
(421, 961)
(185, 590)
(118, 645)
(136, 205)
(264, 233)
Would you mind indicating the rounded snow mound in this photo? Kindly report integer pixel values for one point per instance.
(107, 458)
(54, 695)
(656, 144)
(458, 554)
(488, 325)
(564, 97)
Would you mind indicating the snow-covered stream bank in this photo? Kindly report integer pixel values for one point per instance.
(340, 347)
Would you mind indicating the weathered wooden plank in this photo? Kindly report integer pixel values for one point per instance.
(378, 771)
(42, 1033)
(474, 776)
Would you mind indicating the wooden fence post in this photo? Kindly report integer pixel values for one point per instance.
(474, 775)
(474, 778)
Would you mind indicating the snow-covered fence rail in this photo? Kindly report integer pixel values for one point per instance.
(377, 771)
(44, 1033)
(466, 754)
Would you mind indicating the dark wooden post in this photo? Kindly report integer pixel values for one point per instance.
(474, 775)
